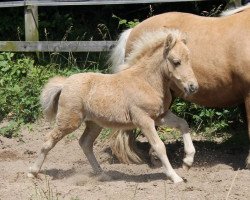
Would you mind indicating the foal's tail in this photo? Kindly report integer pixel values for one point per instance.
(50, 96)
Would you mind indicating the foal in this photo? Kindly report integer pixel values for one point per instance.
(138, 96)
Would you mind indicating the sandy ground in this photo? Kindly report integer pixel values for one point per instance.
(218, 172)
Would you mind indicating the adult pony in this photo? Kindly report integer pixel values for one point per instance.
(220, 57)
(136, 97)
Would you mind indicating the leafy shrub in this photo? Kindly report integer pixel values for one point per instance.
(203, 119)
(126, 23)
(21, 82)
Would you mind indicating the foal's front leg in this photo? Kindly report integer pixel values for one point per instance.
(173, 121)
(147, 125)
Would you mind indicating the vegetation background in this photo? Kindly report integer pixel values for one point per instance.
(23, 75)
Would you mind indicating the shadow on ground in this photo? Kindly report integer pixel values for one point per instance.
(232, 151)
(59, 173)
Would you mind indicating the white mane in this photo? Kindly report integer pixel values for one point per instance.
(149, 40)
(235, 10)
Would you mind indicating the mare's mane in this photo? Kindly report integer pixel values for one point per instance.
(236, 10)
(150, 40)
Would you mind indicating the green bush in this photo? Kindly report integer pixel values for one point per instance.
(208, 119)
(21, 82)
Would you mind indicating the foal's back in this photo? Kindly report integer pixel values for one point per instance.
(108, 99)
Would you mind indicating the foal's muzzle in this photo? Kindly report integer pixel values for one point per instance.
(191, 88)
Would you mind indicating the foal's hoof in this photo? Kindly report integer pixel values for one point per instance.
(187, 163)
(177, 180)
(185, 166)
(31, 175)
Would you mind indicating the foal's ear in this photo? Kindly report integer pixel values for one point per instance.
(168, 45)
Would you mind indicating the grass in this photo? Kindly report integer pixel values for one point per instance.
(44, 192)
(105, 133)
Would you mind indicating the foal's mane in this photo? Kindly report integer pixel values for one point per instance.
(151, 40)
(236, 10)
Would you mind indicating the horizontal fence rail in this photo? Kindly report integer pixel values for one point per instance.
(56, 46)
(32, 43)
(81, 2)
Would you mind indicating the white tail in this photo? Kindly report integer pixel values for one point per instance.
(118, 53)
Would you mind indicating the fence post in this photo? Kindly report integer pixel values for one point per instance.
(31, 23)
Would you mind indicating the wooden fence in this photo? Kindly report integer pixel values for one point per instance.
(32, 43)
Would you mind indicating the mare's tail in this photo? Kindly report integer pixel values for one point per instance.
(117, 55)
(50, 96)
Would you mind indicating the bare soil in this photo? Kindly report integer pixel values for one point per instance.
(218, 171)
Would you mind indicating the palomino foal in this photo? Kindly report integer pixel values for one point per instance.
(138, 96)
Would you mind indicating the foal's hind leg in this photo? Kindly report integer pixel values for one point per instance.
(66, 123)
(51, 139)
(86, 142)
(173, 121)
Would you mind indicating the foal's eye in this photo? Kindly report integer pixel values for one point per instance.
(176, 62)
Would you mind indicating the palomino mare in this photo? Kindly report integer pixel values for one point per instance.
(220, 57)
(136, 97)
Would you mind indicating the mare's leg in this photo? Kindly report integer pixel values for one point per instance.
(147, 125)
(173, 121)
(247, 105)
(66, 122)
(86, 142)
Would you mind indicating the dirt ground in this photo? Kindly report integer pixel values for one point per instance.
(218, 172)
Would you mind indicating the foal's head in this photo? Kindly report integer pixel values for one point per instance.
(178, 67)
